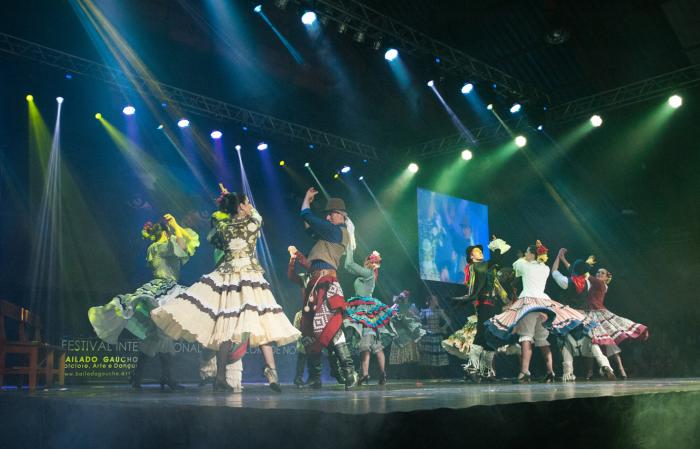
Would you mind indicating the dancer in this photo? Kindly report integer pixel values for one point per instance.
(611, 329)
(527, 319)
(409, 331)
(436, 323)
(484, 289)
(322, 316)
(172, 247)
(367, 317)
(577, 288)
(233, 304)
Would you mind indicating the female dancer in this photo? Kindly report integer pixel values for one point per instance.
(172, 247)
(404, 348)
(525, 320)
(233, 304)
(611, 329)
(368, 317)
(436, 324)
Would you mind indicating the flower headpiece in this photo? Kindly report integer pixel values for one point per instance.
(375, 257)
(541, 252)
(151, 231)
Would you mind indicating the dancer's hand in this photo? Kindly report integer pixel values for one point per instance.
(170, 221)
(310, 195)
(562, 253)
(292, 251)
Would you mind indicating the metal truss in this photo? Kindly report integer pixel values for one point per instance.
(629, 94)
(379, 27)
(577, 109)
(186, 100)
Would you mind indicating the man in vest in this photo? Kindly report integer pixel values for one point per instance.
(322, 315)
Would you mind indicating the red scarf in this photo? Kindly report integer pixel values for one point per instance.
(579, 283)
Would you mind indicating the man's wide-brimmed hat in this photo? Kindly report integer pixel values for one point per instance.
(470, 248)
(335, 204)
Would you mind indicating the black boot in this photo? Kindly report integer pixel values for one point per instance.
(137, 375)
(334, 365)
(222, 357)
(301, 364)
(314, 365)
(166, 378)
(348, 369)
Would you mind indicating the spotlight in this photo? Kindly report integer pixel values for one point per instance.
(675, 101)
(361, 178)
(281, 163)
(515, 108)
(596, 121)
(160, 127)
(494, 85)
(467, 155)
(308, 18)
(468, 87)
(391, 54)
(129, 110)
(376, 45)
(281, 4)
(342, 28)
(258, 9)
(306, 164)
(244, 128)
(437, 60)
(336, 176)
(359, 36)
(262, 146)
(183, 123)
(98, 116)
(489, 107)
(30, 97)
(520, 141)
(238, 148)
(312, 146)
(345, 169)
(431, 83)
(59, 100)
(364, 161)
(413, 167)
(540, 128)
(216, 134)
(164, 105)
(69, 76)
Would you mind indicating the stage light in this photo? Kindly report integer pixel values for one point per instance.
(413, 167)
(489, 107)
(391, 54)
(431, 83)
(359, 36)
(596, 121)
(345, 169)
(238, 148)
(160, 127)
(281, 4)
(361, 178)
(336, 176)
(437, 60)
(281, 163)
(183, 123)
(258, 9)
(59, 100)
(308, 18)
(69, 76)
(675, 101)
(216, 134)
(467, 155)
(376, 45)
(262, 146)
(30, 97)
(468, 87)
(540, 128)
(306, 164)
(244, 128)
(342, 28)
(98, 116)
(520, 141)
(515, 108)
(129, 110)
(311, 146)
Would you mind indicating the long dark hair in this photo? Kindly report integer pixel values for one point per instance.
(229, 202)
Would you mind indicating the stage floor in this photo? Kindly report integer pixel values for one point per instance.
(394, 397)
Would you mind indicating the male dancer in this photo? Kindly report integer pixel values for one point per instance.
(322, 315)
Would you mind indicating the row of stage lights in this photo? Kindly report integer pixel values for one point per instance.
(674, 101)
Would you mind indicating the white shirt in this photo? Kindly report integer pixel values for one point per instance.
(534, 276)
(563, 281)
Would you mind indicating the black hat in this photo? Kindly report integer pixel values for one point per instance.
(579, 268)
(470, 248)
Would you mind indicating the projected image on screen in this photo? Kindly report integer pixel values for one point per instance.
(446, 227)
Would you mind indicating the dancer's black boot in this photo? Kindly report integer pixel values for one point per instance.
(314, 365)
(301, 365)
(348, 368)
(137, 375)
(166, 378)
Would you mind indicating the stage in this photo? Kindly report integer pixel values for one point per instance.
(633, 413)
